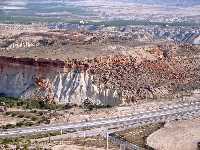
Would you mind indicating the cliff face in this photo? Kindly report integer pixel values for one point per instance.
(53, 80)
(142, 74)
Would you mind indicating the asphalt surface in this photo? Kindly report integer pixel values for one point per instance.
(173, 112)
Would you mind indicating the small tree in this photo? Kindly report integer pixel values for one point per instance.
(87, 104)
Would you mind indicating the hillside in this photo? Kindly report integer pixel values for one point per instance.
(185, 3)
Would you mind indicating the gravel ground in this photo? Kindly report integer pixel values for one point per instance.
(91, 143)
(4, 120)
(138, 135)
(77, 114)
(179, 135)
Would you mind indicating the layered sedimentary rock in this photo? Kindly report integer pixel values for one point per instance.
(130, 76)
(65, 82)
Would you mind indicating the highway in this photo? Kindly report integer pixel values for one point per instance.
(181, 111)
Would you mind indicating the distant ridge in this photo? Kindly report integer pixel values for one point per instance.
(184, 3)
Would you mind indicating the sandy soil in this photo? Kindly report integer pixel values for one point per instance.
(8, 120)
(180, 135)
(138, 135)
(89, 143)
(74, 147)
(77, 114)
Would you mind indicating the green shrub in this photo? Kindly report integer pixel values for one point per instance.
(31, 104)
(41, 113)
(21, 116)
(29, 123)
(7, 113)
(34, 111)
(8, 126)
(34, 118)
(19, 124)
(13, 114)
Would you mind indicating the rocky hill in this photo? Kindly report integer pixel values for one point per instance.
(52, 80)
(109, 66)
(168, 2)
(145, 73)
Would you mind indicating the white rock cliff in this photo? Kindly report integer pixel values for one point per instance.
(31, 79)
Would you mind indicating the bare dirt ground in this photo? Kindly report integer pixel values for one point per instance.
(73, 51)
(90, 143)
(74, 147)
(180, 135)
(77, 114)
(4, 120)
(138, 135)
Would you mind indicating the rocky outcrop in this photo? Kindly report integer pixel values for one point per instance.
(141, 74)
(64, 82)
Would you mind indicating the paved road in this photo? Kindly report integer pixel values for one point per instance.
(179, 111)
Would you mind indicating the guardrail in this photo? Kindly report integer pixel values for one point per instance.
(151, 117)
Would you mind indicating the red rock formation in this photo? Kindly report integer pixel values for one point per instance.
(120, 72)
